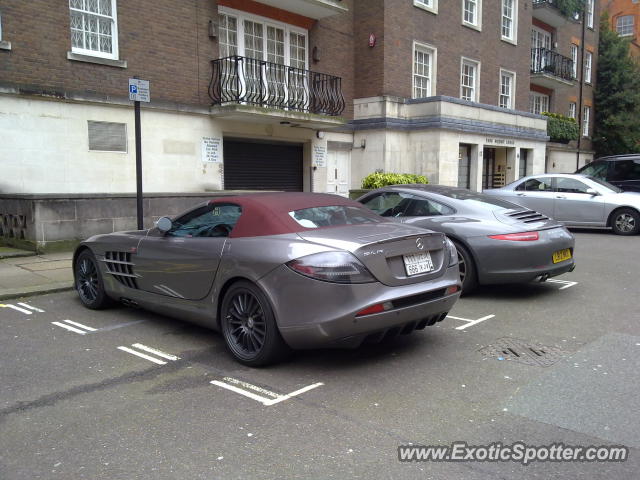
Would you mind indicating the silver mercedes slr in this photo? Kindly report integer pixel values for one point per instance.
(277, 271)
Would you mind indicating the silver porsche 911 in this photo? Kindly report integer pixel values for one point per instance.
(497, 241)
(275, 271)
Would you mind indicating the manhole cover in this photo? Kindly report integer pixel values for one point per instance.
(522, 351)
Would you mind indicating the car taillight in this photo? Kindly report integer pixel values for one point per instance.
(517, 237)
(338, 267)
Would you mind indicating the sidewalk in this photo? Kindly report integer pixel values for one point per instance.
(24, 273)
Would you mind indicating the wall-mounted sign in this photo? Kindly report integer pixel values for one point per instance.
(319, 156)
(502, 142)
(211, 149)
(372, 40)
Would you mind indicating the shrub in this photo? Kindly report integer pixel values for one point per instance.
(570, 7)
(378, 179)
(561, 129)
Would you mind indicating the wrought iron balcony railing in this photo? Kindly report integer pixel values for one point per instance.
(250, 81)
(544, 60)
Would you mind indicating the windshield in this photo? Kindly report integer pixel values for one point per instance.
(605, 184)
(332, 216)
(477, 199)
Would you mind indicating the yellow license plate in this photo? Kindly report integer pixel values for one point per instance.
(561, 255)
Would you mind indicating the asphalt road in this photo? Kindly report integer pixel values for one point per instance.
(73, 405)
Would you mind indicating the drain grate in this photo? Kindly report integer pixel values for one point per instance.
(522, 351)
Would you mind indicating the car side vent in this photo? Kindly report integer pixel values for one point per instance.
(120, 266)
(527, 216)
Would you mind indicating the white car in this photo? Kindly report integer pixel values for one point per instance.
(576, 201)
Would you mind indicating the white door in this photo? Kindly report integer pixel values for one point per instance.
(338, 171)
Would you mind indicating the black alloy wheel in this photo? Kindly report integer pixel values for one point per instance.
(88, 282)
(249, 327)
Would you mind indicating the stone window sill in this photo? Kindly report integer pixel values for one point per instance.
(4, 45)
(76, 57)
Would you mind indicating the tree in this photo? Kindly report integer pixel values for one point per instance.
(617, 96)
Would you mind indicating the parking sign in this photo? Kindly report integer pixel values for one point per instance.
(139, 90)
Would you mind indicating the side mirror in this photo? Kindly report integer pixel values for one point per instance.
(593, 192)
(164, 224)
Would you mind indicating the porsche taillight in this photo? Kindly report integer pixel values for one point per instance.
(518, 237)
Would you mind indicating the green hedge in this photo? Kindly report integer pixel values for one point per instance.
(570, 7)
(561, 129)
(378, 179)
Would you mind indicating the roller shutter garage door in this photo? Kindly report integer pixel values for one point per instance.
(262, 166)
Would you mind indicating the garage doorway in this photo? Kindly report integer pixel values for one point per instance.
(256, 165)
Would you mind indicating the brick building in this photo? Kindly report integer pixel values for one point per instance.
(624, 16)
(287, 95)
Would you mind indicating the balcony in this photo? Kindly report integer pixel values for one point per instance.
(315, 9)
(552, 13)
(549, 69)
(243, 88)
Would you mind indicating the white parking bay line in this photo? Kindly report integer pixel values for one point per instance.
(265, 401)
(69, 327)
(90, 329)
(13, 307)
(142, 355)
(155, 352)
(566, 283)
(470, 322)
(35, 309)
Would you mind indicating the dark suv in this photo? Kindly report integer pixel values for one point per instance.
(621, 170)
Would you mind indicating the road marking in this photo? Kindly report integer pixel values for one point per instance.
(8, 305)
(90, 329)
(470, 322)
(35, 309)
(566, 283)
(265, 401)
(69, 327)
(150, 350)
(155, 352)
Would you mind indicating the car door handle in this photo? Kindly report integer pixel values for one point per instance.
(521, 194)
(560, 196)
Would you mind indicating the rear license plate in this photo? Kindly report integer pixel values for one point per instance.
(561, 255)
(418, 263)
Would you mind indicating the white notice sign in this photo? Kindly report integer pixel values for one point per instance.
(139, 90)
(211, 148)
(319, 156)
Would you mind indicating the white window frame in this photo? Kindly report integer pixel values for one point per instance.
(476, 81)
(241, 16)
(433, 67)
(574, 58)
(513, 38)
(589, 7)
(586, 117)
(620, 26)
(542, 98)
(477, 23)
(428, 5)
(572, 110)
(588, 60)
(114, 55)
(512, 93)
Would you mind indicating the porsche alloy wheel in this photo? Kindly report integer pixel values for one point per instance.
(88, 282)
(467, 269)
(249, 326)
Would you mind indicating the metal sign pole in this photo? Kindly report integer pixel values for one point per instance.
(138, 166)
(139, 92)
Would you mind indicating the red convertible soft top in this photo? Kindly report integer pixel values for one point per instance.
(268, 213)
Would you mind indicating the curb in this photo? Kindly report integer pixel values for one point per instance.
(37, 290)
(17, 255)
